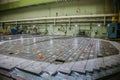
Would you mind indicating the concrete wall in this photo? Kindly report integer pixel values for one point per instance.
(80, 7)
(12, 4)
(7, 1)
(64, 8)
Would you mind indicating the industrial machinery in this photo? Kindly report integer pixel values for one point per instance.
(114, 30)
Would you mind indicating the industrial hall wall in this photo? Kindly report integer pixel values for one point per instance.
(70, 8)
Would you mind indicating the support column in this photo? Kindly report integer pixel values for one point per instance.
(119, 17)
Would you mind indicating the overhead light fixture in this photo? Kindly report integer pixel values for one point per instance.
(76, 25)
(99, 25)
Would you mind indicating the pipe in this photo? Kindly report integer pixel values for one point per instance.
(63, 17)
(104, 20)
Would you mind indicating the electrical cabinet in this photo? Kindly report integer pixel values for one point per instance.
(114, 30)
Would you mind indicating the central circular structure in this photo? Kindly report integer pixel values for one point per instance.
(57, 49)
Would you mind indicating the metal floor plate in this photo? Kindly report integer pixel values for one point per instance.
(51, 55)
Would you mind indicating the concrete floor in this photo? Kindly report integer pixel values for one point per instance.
(111, 77)
(4, 78)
